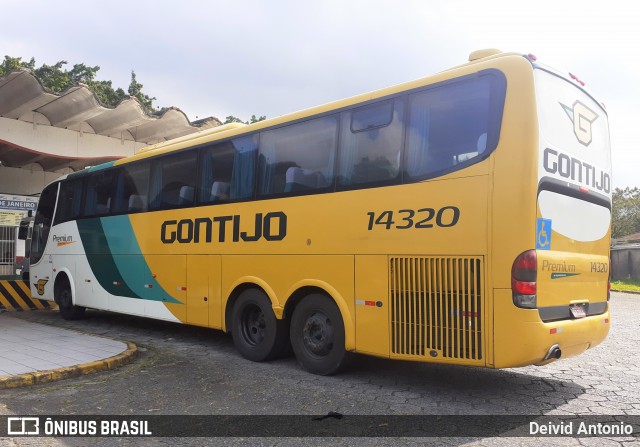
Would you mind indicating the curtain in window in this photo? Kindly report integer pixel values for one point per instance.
(77, 198)
(348, 150)
(243, 175)
(207, 177)
(267, 162)
(156, 186)
(121, 202)
(418, 144)
(92, 198)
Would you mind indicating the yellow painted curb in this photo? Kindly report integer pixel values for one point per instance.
(67, 372)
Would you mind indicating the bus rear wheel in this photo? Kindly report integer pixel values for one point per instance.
(257, 334)
(64, 298)
(317, 335)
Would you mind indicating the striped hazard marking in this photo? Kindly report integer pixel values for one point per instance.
(16, 296)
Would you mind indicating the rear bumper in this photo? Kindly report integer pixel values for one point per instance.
(521, 338)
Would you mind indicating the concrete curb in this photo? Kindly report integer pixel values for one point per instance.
(626, 291)
(67, 372)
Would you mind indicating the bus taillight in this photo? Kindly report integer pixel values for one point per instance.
(523, 279)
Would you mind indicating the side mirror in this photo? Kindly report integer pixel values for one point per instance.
(23, 232)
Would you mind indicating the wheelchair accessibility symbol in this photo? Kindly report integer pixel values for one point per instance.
(543, 234)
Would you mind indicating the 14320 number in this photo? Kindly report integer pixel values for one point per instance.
(444, 217)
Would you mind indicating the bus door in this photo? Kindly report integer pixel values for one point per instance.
(41, 262)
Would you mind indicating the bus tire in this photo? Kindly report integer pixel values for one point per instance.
(64, 298)
(257, 334)
(317, 335)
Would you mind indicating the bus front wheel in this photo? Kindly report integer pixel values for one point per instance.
(64, 298)
(257, 334)
(317, 335)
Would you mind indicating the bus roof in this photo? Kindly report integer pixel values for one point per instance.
(233, 129)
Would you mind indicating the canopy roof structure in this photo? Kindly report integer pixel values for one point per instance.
(73, 129)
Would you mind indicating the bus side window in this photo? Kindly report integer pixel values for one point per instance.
(69, 202)
(132, 188)
(99, 195)
(216, 167)
(371, 143)
(228, 170)
(299, 157)
(173, 180)
(449, 126)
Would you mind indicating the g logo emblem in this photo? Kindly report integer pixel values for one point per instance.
(581, 116)
(40, 286)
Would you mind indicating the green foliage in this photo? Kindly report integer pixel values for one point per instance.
(54, 77)
(625, 213)
(255, 120)
(233, 119)
(135, 89)
(13, 63)
(628, 285)
(58, 79)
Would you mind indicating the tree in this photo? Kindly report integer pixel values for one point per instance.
(135, 89)
(254, 119)
(232, 119)
(54, 77)
(625, 213)
(10, 64)
(58, 79)
(106, 93)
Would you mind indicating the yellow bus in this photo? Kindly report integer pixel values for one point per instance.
(463, 218)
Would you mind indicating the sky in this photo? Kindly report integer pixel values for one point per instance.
(220, 58)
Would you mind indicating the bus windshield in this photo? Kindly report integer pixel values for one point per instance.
(42, 222)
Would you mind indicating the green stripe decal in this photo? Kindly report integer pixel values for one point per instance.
(563, 275)
(87, 171)
(100, 259)
(125, 273)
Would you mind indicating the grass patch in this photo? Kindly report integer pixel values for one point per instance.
(628, 285)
